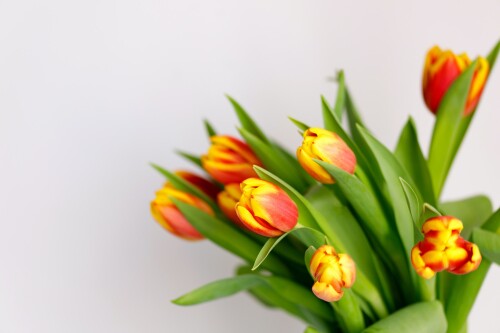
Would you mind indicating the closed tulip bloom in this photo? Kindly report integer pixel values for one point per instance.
(228, 199)
(332, 272)
(266, 209)
(325, 146)
(442, 68)
(169, 216)
(201, 183)
(444, 249)
(229, 160)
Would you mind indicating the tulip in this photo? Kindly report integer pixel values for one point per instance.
(444, 249)
(442, 68)
(229, 160)
(326, 146)
(227, 201)
(266, 209)
(332, 272)
(201, 183)
(168, 215)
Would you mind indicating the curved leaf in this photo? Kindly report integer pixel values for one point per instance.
(424, 317)
(247, 122)
(488, 243)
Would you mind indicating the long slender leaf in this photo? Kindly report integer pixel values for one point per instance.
(209, 128)
(247, 122)
(196, 160)
(309, 236)
(446, 128)
(409, 154)
(300, 125)
(338, 109)
(424, 317)
(413, 202)
(219, 289)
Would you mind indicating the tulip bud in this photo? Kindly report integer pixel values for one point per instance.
(201, 183)
(444, 249)
(442, 68)
(227, 201)
(169, 217)
(331, 272)
(229, 160)
(326, 146)
(266, 209)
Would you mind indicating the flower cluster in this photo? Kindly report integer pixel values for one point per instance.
(342, 190)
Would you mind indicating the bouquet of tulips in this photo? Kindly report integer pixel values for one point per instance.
(347, 235)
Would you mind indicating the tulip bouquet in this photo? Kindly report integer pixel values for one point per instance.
(347, 235)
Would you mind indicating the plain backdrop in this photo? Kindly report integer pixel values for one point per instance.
(92, 91)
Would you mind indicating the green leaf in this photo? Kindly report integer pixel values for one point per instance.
(492, 56)
(196, 160)
(488, 243)
(349, 313)
(307, 235)
(274, 160)
(311, 330)
(209, 128)
(308, 256)
(413, 202)
(228, 238)
(183, 185)
(446, 129)
(409, 154)
(473, 212)
(340, 99)
(300, 125)
(424, 317)
(247, 122)
(461, 290)
(219, 289)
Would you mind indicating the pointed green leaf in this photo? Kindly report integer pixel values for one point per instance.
(493, 55)
(247, 122)
(446, 129)
(424, 317)
(196, 160)
(409, 154)
(219, 289)
(307, 235)
(209, 128)
(488, 243)
(300, 125)
(338, 109)
(413, 202)
(308, 256)
(473, 212)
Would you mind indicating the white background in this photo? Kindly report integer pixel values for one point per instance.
(92, 91)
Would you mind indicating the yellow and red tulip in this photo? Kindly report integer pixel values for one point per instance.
(168, 215)
(228, 199)
(442, 68)
(326, 146)
(201, 183)
(229, 160)
(266, 209)
(332, 272)
(444, 249)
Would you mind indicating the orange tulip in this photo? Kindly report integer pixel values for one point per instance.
(169, 217)
(444, 249)
(228, 199)
(266, 209)
(442, 68)
(326, 146)
(332, 272)
(229, 160)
